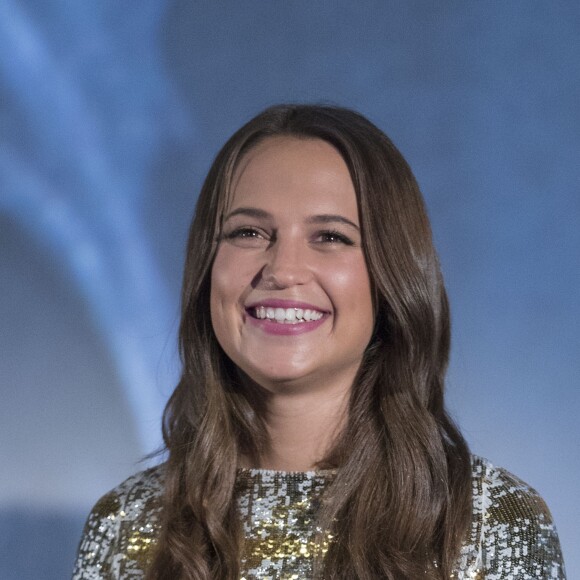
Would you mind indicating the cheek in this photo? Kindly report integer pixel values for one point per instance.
(352, 284)
(221, 293)
(353, 297)
(230, 278)
(225, 275)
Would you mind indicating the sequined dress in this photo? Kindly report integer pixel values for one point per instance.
(512, 535)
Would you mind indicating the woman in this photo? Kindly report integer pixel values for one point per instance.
(308, 436)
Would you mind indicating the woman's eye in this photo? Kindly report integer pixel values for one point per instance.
(245, 234)
(332, 237)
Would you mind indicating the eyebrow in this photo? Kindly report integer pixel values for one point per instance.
(248, 211)
(315, 219)
(330, 218)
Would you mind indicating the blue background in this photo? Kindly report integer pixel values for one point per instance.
(111, 113)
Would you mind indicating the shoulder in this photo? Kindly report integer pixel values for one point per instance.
(513, 531)
(504, 496)
(122, 528)
(133, 495)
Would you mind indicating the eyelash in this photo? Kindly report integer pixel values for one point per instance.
(239, 233)
(249, 233)
(341, 238)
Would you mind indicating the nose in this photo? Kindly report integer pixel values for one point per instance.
(286, 265)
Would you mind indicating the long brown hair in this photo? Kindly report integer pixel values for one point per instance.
(399, 505)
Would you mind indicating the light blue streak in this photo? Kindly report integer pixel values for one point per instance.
(79, 197)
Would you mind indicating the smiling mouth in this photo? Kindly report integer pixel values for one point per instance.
(285, 315)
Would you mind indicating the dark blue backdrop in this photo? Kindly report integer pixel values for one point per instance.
(110, 115)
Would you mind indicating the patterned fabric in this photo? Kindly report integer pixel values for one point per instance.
(512, 534)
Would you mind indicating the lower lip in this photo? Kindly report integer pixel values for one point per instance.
(276, 328)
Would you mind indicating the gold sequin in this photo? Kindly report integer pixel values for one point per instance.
(278, 512)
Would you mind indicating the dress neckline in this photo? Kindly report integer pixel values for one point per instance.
(255, 472)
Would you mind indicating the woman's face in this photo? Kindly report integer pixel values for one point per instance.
(290, 291)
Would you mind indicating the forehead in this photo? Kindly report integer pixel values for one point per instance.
(294, 171)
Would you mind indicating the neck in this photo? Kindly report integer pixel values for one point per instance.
(302, 428)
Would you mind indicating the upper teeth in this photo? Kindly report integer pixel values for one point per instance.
(287, 315)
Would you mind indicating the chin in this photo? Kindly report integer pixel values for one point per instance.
(278, 377)
(264, 366)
